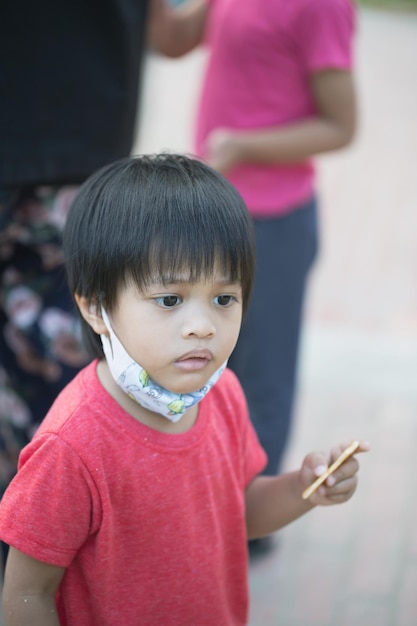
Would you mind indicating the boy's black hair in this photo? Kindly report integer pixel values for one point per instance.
(151, 218)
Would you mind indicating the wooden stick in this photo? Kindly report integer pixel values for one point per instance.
(351, 449)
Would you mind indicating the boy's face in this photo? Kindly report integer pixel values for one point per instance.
(180, 333)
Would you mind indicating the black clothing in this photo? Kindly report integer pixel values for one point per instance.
(69, 76)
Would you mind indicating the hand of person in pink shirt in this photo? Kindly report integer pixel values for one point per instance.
(223, 150)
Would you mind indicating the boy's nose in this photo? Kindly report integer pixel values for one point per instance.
(199, 324)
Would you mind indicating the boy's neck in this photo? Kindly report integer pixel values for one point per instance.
(138, 412)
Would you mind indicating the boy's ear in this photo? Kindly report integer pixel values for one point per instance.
(92, 314)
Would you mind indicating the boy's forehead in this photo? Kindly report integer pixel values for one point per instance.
(170, 270)
(170, 275)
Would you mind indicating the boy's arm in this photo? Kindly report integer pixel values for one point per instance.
(174, 31)
(332, 128)
(29, 591)
(274, 501)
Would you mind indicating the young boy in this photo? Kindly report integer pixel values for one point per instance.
(134, 501)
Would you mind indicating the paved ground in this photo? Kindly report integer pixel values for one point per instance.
(355, 564)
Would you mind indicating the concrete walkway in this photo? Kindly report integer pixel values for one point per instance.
(355, 564)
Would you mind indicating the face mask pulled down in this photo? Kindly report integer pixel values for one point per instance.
(135, 381)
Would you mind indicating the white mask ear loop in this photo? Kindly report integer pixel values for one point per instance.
(116, 356)
(137, 384)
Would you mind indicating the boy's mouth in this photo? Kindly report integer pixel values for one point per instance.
(194, 360)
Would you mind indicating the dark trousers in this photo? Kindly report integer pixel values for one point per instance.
(265, 358)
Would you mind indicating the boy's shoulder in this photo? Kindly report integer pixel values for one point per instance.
(227, 393)
(229, 381)
(79, 396)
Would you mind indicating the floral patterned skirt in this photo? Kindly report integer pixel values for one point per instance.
(40, 342)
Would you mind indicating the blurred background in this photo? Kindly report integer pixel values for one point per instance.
(355, 564)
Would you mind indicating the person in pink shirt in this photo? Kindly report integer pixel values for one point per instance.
(278, 90)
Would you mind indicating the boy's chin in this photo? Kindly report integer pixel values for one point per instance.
(190, 387)
(183, 390)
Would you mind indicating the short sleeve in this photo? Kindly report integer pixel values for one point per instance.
(51, 506)
(253, 457)
(325, 34)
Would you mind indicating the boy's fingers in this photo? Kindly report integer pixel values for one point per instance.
(320, 461)
(341, 457)
(363, 446)
(340, 492)
(348, 469)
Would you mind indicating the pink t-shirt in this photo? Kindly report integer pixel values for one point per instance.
(150, 526)
(262, 54)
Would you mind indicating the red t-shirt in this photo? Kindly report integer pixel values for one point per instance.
(150, 526)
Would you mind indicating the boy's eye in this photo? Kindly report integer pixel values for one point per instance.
(224, 300)
(168, 301)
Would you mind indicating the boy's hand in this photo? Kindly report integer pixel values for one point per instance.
(341, 485)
